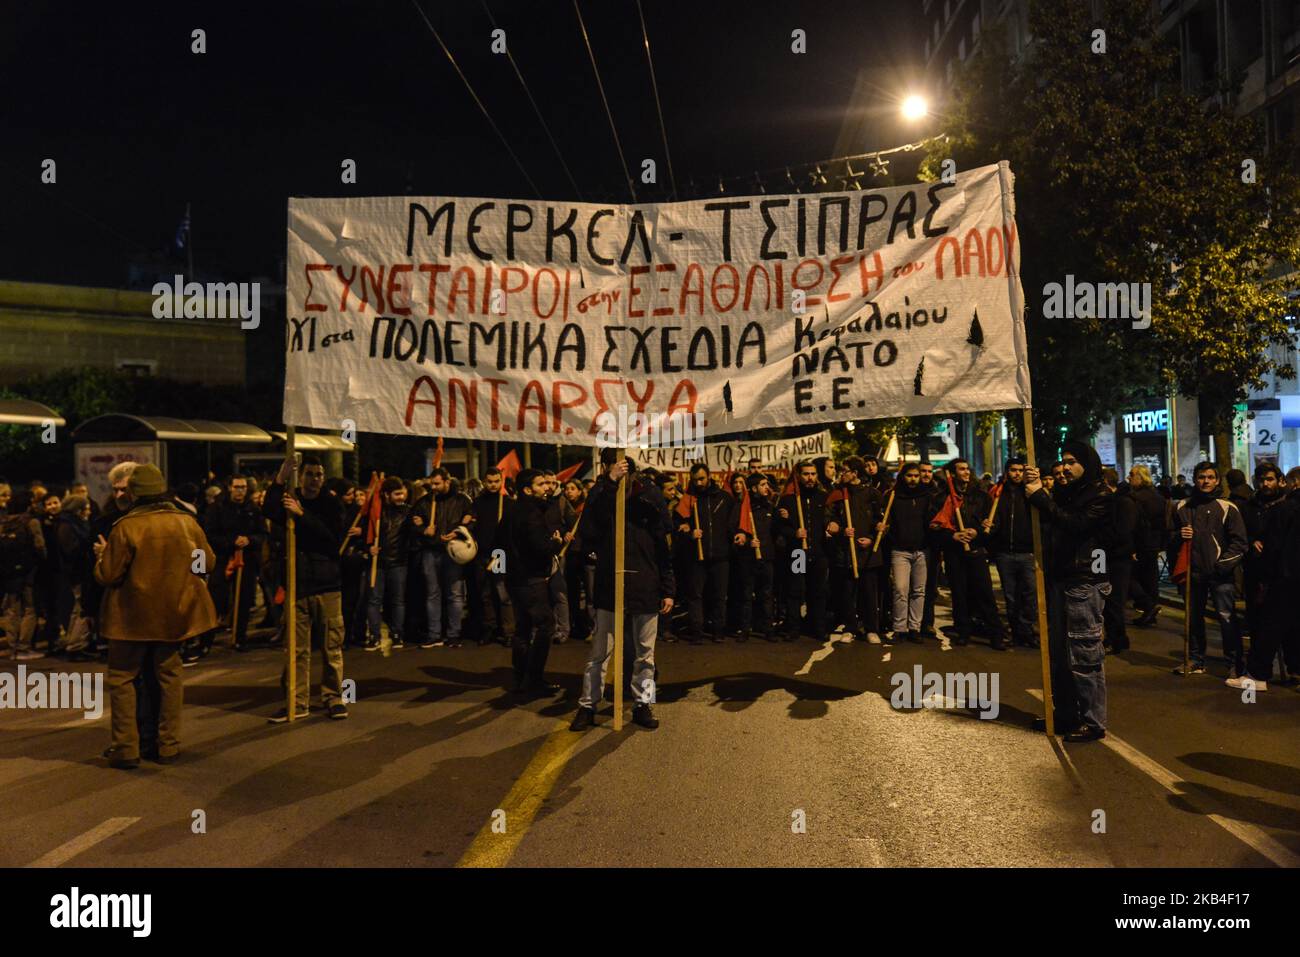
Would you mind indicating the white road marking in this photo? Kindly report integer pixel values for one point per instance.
(66, 852)
(1248, 834)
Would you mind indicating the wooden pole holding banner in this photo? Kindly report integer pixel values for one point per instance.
(848, 519)
(234, 609)
(620, 544)
(291, 586)
(1187, 612)
(1041, 589)
(572, 531)
(875, 546)
(699, 542)
(374, 559)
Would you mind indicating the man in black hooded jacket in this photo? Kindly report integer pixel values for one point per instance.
(1011, 540)
(1078, 512)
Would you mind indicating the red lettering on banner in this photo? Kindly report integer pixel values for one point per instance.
(994, 234)
(436, 401)
(692, 397)
(663, 310)
(394, 284)
(810, 301)
(733, 285)
(558, 407)
(633, 290)
(945, 243)
(555, 301)
(601, 405)
(642, 400)
(692, 271)
(433, 269)
(975, 250)
(469, 394)
(865, 275)
(505, 282)
(368, 281)
(462, 284)
(308, 305)
(835, 274)
(494, 402)
(534, 388)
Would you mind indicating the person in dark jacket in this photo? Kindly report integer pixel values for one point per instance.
(76, 563)
(532, 550)
(1218, 536)
(857, 598)
(1279, 550)
(807, 554)
(753, 564)
(968, 567)
(23, 544)
(1152, 536)
(318, 604)
(907, 537)
(490, 604)
(579, 573)
(434, 521)
(235, 526)
(929, 485)
(392, 547)
(1270, 490)
(648, 585)
(1121, 549)
(717, 515)
(1079, 512)
(1011, 540)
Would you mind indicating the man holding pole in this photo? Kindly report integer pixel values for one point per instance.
(713, 525)
(235, 530)
(906, 529)
(648, 586)
(801, 520)
(853, 511)
(1079, 514)
(532, 553)
(318, 607)
(1012, 542)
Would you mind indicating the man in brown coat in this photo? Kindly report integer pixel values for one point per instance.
(152, 567)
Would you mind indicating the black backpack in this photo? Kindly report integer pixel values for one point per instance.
(18, 554)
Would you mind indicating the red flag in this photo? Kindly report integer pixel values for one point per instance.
(685, 505)
(790, 486)
(1184, 563)
(947, 517)
(510, 466)
(374, 506)
(840, 494)
(437, 454)
(996, 491)
(570, 472)
(746, 513)
(236, 562)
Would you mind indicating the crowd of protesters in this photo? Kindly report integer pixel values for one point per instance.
(527, 560)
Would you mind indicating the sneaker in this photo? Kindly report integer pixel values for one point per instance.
(27, 654)
(189, 662)
(370, 645)
(337, 711)
(915, 637)
(430, 643)
(1245, 682)
(282, 716)
(584, 719)
(1086, 733)
(1195, 669)
(643, 715)
(873, 639)
(454, 643)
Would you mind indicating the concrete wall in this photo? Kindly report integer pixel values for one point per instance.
(48, 328)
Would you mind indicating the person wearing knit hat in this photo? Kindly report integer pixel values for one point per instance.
(1079, 512)
(1011, 541)
(152, 566)
(71, 545)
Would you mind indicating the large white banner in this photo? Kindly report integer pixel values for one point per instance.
(534, 321)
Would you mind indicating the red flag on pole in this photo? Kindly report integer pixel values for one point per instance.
(1184, 563)
(510, 466)
(236, 561)
(685, 504)
(374, 505)
(570, 472)
(746, 513)
(947, 517)
(437, 454)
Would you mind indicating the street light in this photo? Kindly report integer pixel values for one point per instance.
(915, 108)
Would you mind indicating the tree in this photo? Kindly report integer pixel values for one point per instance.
(1123, 177)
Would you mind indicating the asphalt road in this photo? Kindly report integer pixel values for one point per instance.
(786, 754)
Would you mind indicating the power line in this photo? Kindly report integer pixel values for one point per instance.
(663, 132)
(486, 115)
(601, 86)
(536, 109)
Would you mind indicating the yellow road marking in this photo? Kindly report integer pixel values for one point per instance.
(525, 799)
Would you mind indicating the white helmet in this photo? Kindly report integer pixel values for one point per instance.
(462, 548)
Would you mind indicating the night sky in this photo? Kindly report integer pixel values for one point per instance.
(139, 125)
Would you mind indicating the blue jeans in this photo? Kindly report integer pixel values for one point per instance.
(390, 582)
(909, 572)
(442, 574)
(1075, 636)
(1224, 596)
(1016, 569)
